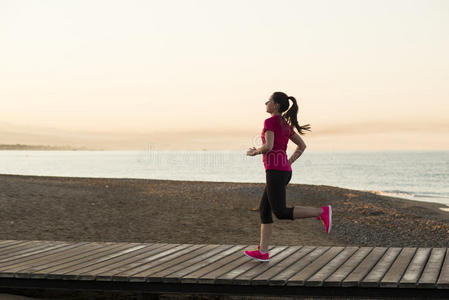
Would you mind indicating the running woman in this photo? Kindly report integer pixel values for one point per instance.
(277, 130)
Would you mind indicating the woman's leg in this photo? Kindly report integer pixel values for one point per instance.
(306, 212)
(274, 197)
(277, 182)
(276, 190)
(266, 231)
(266, 226)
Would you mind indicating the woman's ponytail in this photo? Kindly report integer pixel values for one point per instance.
(291, 117)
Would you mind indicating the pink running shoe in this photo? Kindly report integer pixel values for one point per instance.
(255, 254)
(326, 218)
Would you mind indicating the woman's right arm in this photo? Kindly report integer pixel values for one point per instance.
(301, 146)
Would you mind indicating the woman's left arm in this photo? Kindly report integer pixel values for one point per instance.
(269, 142)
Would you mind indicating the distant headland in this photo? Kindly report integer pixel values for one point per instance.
(40, 147)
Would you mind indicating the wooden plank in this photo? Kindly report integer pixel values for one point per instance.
(124, 261)
(318, 278)
(7, 243)
(354, 278)
(18, 243)
(85, 252)
(19, 247)
(141, 269)
(226, 264)
(246, 278)
(144, 275)
(21, 259)
(35, 259)
(297, 254)
(241, 259)
(300, 278)
(90, 272)
(153, 260)
(344, 270)
(414, 270)
(283, 277)
(201, 266)
(394, 274)
(228, 277)
(51, 259)
(432, 269)
(25, 269)
(166, 275)
(173, 276)
(375, 275)
(114, 269)
(195, 276)
(28, 251)
(443, 279)
(57, 272)
(72, 272)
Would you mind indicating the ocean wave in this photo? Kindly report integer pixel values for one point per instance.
(422, 196)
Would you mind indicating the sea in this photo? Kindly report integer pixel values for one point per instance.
(414, 175)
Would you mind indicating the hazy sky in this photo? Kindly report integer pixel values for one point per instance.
(196, 74)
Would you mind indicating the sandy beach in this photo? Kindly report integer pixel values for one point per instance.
(144, 210)
(164, 211)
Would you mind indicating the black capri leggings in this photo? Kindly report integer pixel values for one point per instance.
(273, 198)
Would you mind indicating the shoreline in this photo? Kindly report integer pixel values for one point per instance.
(444, 207)
(174, 211)
(376, 192)
(397, 195)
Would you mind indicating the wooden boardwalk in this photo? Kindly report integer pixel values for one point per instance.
(223, 269)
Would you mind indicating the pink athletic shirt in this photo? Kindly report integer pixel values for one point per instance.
(276, 159)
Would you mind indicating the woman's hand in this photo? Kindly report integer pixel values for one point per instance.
(251, 151)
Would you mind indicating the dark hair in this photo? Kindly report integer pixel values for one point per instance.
(291, 115)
